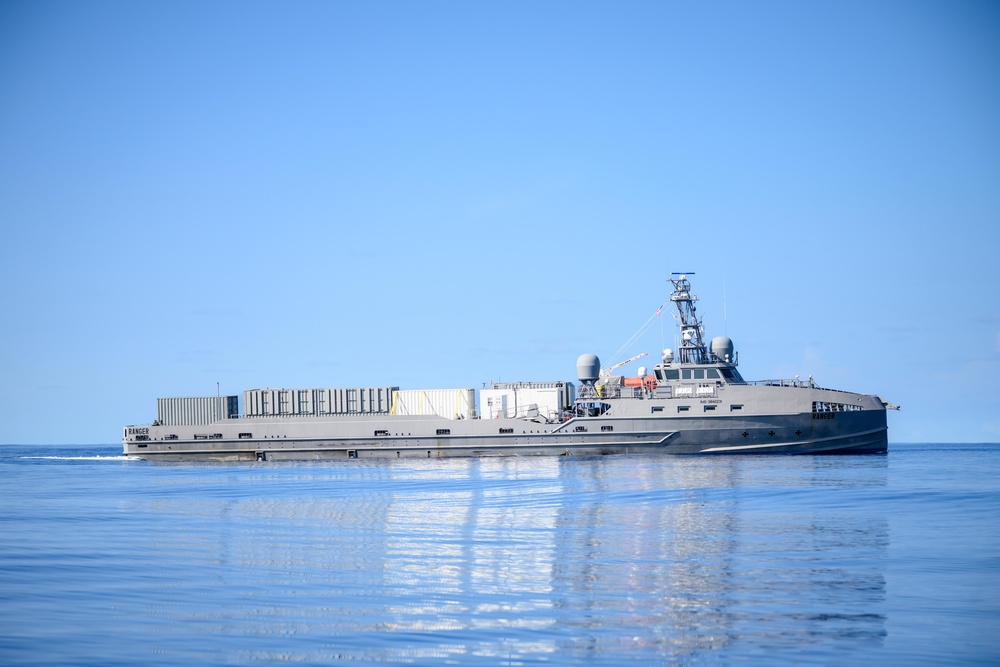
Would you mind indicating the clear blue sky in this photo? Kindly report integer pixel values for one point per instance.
(439, 194)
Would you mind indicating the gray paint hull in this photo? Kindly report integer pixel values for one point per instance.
(289, 439)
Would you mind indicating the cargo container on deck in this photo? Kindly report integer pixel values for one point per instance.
(196, 409)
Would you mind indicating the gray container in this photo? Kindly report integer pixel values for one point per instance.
(318, 402)
(187, 410)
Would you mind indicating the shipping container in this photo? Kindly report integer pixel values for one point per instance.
(318, 402)
(188, 410)
(448, 403)
(526, 399)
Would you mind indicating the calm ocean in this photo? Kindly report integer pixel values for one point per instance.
(502, 561)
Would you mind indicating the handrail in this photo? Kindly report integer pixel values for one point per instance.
(622, 392)
(794, 382)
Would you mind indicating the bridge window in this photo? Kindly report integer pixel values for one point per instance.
(823, 406)
(591, 409)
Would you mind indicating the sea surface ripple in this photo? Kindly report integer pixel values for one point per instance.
(502, 561)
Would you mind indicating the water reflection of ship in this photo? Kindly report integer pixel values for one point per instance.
(479, 556)
(533, 557)
(670, 571)
(676, 557)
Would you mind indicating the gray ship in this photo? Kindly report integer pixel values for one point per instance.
(693, 402)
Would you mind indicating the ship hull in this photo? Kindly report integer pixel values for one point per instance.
(850, 433)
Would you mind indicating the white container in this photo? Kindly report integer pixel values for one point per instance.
(448, 403)
(526, 399)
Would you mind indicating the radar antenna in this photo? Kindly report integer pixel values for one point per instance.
(692, 349)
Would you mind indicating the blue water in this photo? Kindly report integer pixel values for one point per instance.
(518, 561)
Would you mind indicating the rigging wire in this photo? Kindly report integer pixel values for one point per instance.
(645, 326)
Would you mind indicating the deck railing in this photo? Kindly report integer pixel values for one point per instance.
(794, 382)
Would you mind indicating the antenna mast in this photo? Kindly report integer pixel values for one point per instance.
(692, 349)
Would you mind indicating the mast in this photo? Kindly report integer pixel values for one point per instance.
(692, 349)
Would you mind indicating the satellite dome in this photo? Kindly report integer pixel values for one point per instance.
(668, 355)
(722, 347)
(588, 368)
